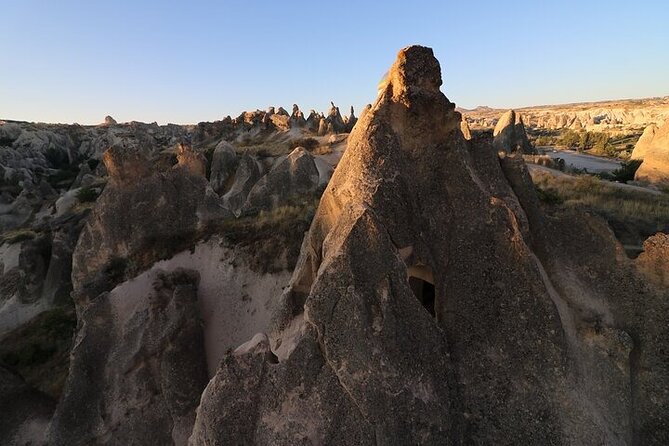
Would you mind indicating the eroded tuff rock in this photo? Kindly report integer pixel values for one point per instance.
(295, 175)
(653, 262)
(446, 306)
(141, 216)
(510, 136)
(138, 366)
(653, 149)
(223, 167)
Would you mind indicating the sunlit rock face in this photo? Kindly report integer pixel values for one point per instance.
(653, 149)
(435, 302)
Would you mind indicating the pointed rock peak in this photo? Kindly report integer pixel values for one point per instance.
(415, 68)
(109, 121)
(352, 112)
(507, 119)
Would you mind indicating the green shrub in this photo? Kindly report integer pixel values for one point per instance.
(548, 196)
(626, 171)
(87, 194)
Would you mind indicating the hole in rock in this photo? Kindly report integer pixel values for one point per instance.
(421, 283)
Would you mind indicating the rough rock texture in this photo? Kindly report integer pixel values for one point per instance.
(141, 216)
(25, 411)
(653, 262)
(509, 134)
(296, 175)
(138, 367)
(653, 149)
(444, 306)
(246, 176)
(223, 167)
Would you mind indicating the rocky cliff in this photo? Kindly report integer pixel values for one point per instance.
(653, 149)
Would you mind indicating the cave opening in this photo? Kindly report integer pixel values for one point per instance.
(424, 292)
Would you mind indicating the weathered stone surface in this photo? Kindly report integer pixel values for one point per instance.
(246, 176)
(296, 175)
(509, 134)
(138, 367)
(141, 216)
(653, 262)
(223, 167)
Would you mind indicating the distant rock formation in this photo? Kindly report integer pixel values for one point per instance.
(653, 149)
(510, 136)
(444, 306)
(109, 121)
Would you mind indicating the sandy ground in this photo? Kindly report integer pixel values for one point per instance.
(235, 302)
(537, 168)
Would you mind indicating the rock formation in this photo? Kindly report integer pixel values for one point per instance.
(142, 215)
(510, 136)
(443, 306)
(296, 175)
(653, 262)
(138, 367)
(653, 149)
(223, 167)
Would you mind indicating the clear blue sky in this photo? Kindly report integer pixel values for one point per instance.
(77, 61)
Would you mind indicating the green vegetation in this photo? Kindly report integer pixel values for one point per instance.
(308, 143)
(623, 174)
(17, 235)
(87, 194)
(39, 350)
(597, 143)
(633, 214)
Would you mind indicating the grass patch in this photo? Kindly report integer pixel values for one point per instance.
(87, 194)
(18, 235)
(634, 215)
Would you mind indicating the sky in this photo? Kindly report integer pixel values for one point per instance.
(185, 62)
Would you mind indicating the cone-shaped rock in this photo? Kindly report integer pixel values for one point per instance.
(434, 303)
(510, 135)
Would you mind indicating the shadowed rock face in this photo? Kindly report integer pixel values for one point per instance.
(138, 367)
(436, 302)
(509, 134)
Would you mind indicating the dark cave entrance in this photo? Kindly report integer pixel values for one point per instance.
(424, 292)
